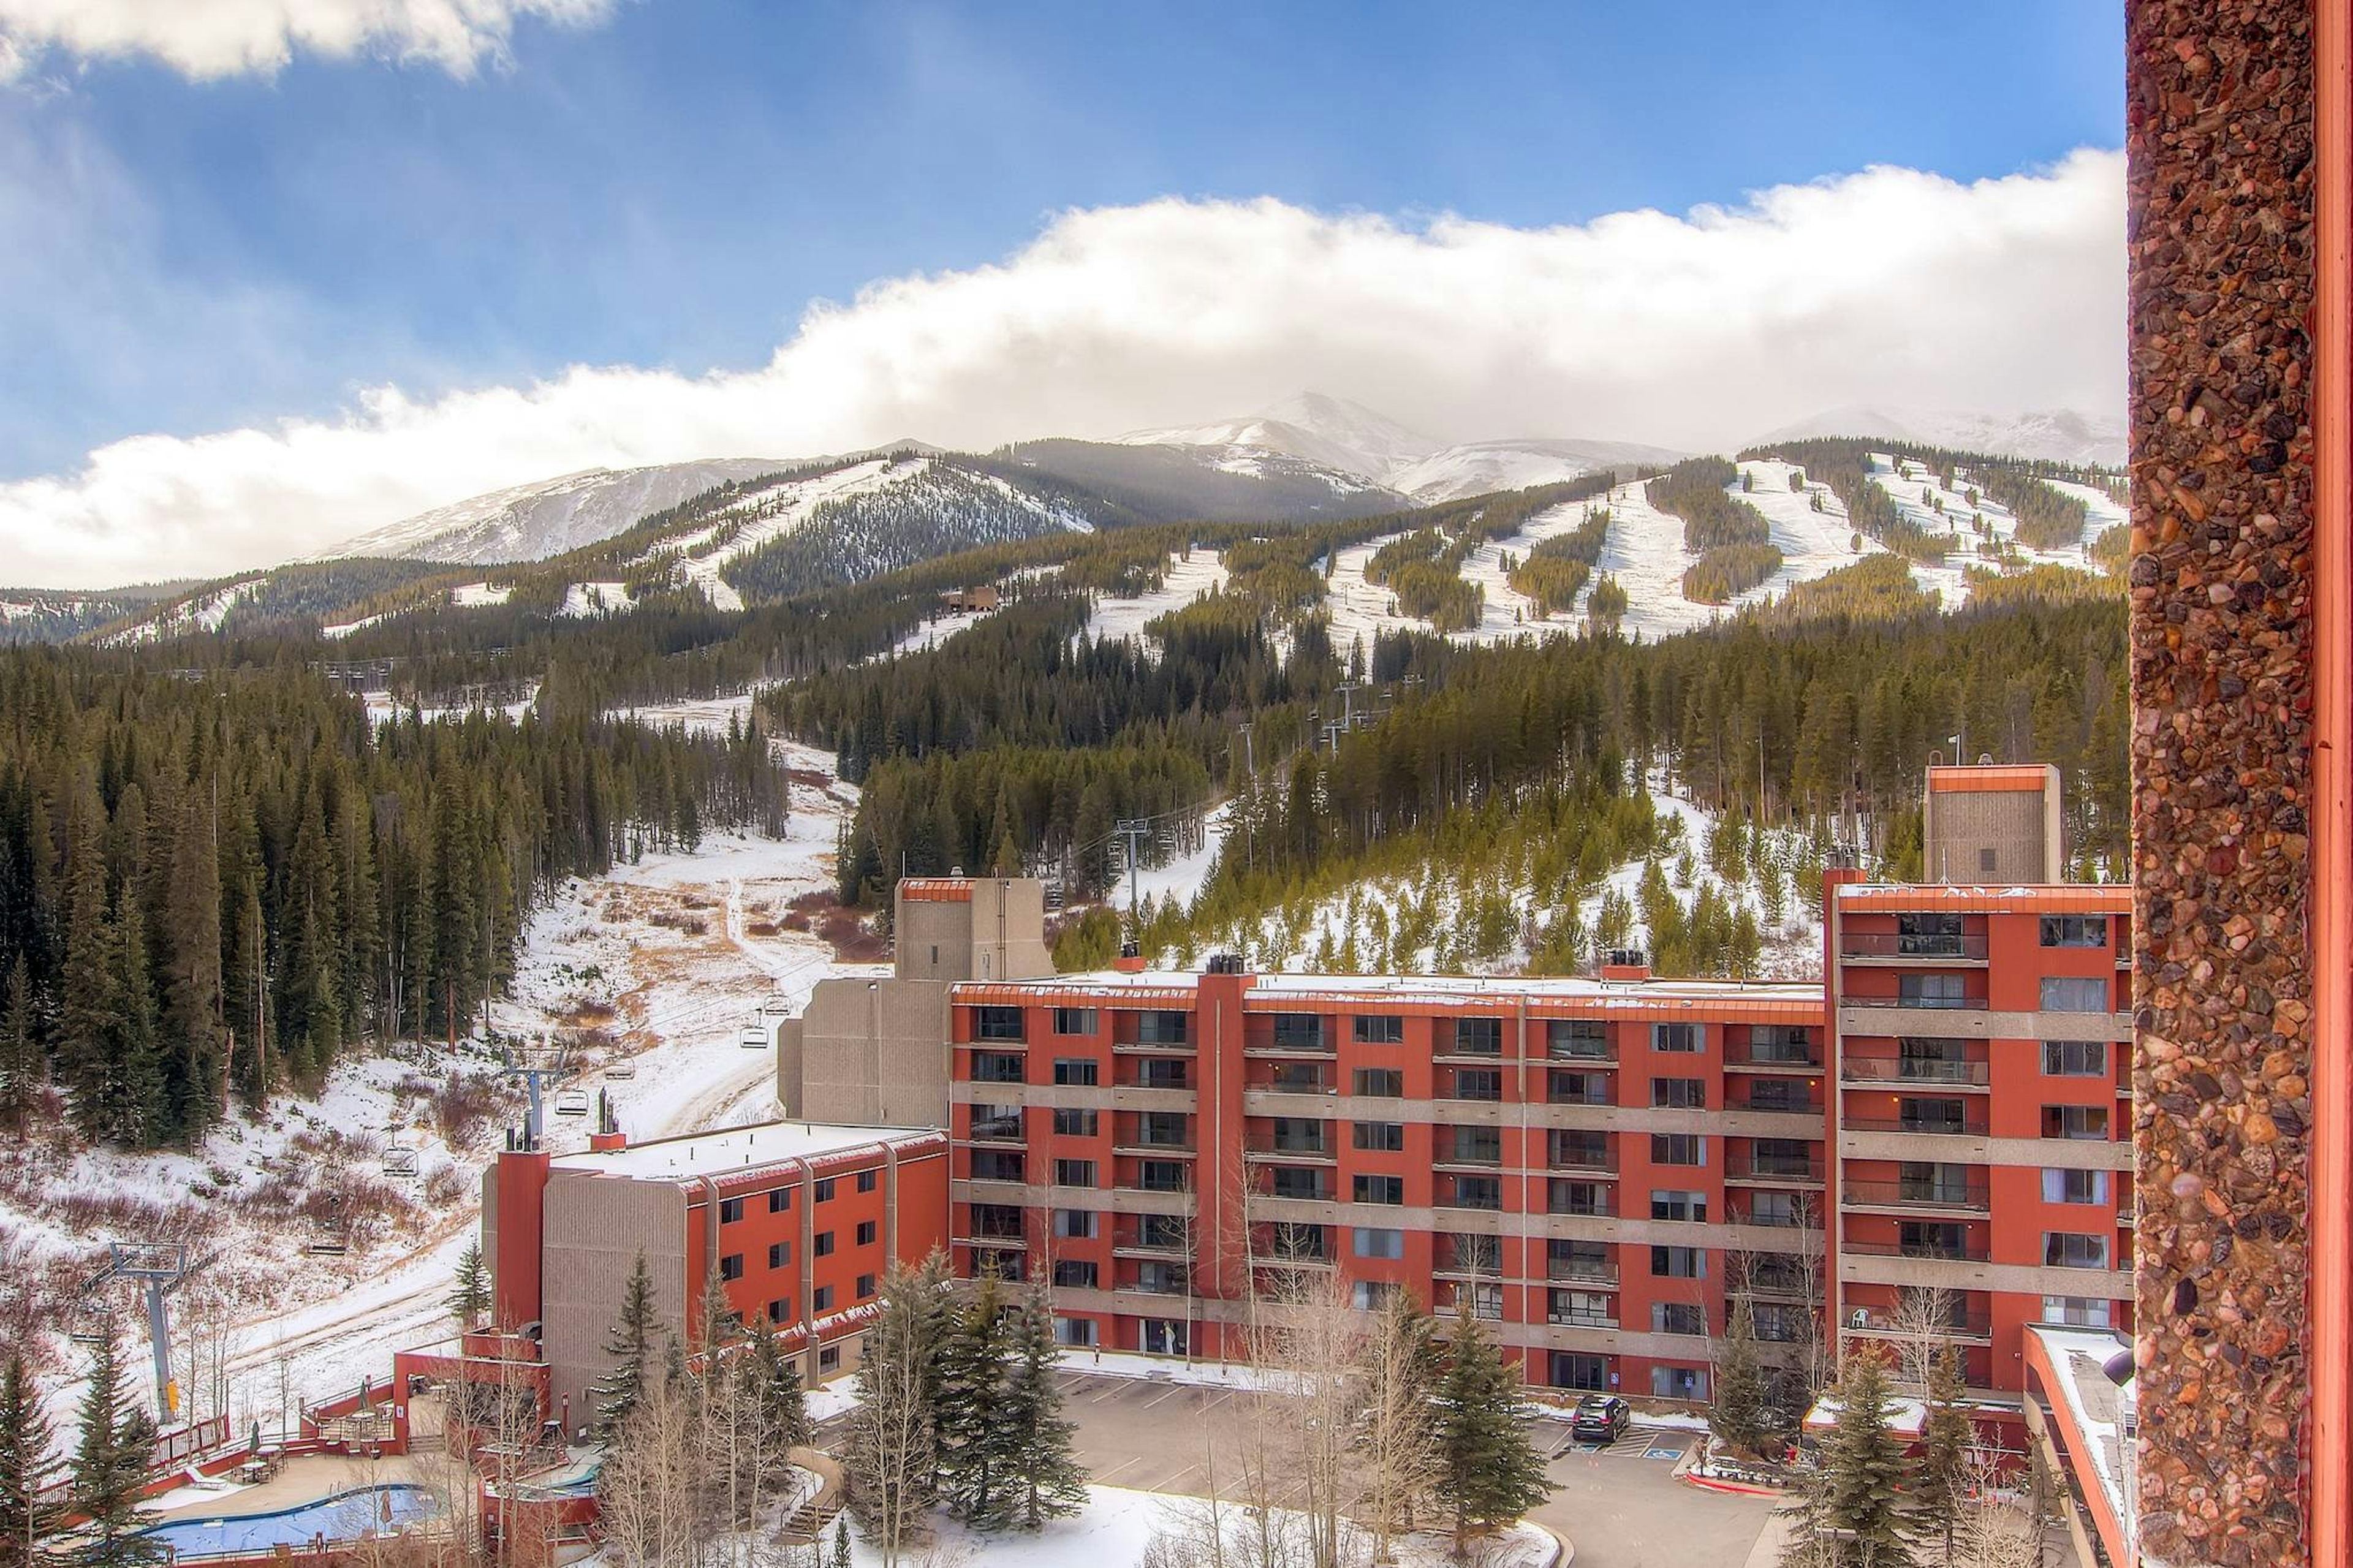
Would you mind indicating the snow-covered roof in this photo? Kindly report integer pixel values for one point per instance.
(1437, 990)
(2095, 1406)
(2053, 897)
(733, 1149)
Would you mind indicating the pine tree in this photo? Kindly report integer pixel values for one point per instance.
(1489, 1471)
(972, 1428)
(775, 1386)
(192, 985)
(28, 1465)
(630, 1350)
(1859, 1494)
(110, 1464)
(469, 1296)
(841, 1544)
(1737, 1414)
(1047, 1481)
(1940, 1483)
(892, 1456)
(21, 1068)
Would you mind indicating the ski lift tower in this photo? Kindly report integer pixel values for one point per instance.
(540, 1065)
(157, 1268)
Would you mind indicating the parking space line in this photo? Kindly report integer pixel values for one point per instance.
(1104, 1477)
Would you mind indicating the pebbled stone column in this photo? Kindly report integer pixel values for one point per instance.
(2219, 142)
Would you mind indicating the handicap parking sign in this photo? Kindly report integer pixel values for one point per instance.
(1662, 1453)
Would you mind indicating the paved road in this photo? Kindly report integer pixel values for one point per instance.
(1619, 1504)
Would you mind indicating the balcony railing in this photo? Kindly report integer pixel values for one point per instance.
(1968, 1249)
(1600, 1206)
(1585, 1270)
(1755, 1167)
(1914, 1069)
(1916, 1195)
(1927, 1004)
(1596, 1162)
(1774, 1055)
(1581, 1049)
(1894, 944)
(1281, 1086)
(1946, 1126)
(1806, 1105)
(1960, 1326)
(1581, 1320)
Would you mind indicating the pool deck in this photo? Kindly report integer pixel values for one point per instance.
(308, 1478)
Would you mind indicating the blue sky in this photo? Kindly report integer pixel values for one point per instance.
(670, 187)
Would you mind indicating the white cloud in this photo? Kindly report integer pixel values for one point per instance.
(1887, 286)
(210, 39)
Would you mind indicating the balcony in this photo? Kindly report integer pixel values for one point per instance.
(1970, 1124)
(1572, 1157)
(1969, 1195)
(1581, 1320)
(1896, 946)
(1774, 1170)
(1963, 1327)
(996, 1129)
(1582, 1271)
(1773, 1057)
(1802, 1105)
(1153, 1149)
(1149, 1247)
(1930, 1070)
(1968, 1249)
(1297, 1154)
(1581, 1048)
(1919, 1003)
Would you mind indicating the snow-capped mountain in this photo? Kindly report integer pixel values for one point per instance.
(547, 516)
(2060, 434)
(1476, 467)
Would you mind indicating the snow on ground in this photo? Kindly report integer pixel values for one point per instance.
(348, 628)
(2106, 513)
(1913, 486)
(1184, 875)
(582, 600)
(383, 707)
(473, 596)
(1189, 577)
(1645, 553)
(1119, 1526)
(936, 630)
(206, 612)
(783, 508)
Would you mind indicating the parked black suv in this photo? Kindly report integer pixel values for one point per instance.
(1599, 1418)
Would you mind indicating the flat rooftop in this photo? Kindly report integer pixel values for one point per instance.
(732, 1148)
(2095, 1405)
(2017, 898)
(1461, 990)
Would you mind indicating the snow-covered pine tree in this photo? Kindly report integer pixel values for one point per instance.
(1045, 1478)
(110, 1464)
(27, 1466)
(1488, 1471)
(632, 1349)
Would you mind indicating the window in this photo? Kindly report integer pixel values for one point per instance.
(780, 1200)
(1781, 1157)
(1076, 1333)
(730, 1210)
(1935, 933)
(1577, 1370)
(1932, 1238)
(1691, 1206)
(1381, 1083)
(1297, 1182)
(866, 1286)
(1678, 1263)
(1370, 1295)
(821, 1298)
(2075, 1187)
(1679, 1382)
(1477, 1083)
(731, 1265)
(1580, 1260)
(1074, 1021)
(1160, 1029)
(1370, 1241)
(1290, 1078)
(1684, 1038)
(996, 1024)
(1578, 1197)
(867, 1179)
(1581, 1309)
(1074, 1272)
(1474, 1192)
(829, 1358)
(996, 1067)
(2074, 931)
(1381, 1189)
(824, 1190)
(2074, 1058)
(1988, 864)
(2078, 1311)
(1930, 990)
(1482, 1300)
(1299, 1031)
(1298, 1135)
(1777, 1094)
(1478, 1036)
(1075, 1225)
(1160, 1175)
(1577, 1039)
(2066, 1250)
(1679, 1093)
(821, 1244)
(1678, 1149)
(1678, 1318)
(779, 1311)
(780, 1254)
(998, 1166)
(1474, 1146)
(1947, 1116)
(1074, 1173)
(1070, 1124)
(2075, 994)
(1158, 1129)
(1378, 1030)
(1471, 1254)
(1387, 1137)
(1075, 1071)
(2086, 1122)
(996, 1122)
(1573, 1149)
(1774, 1209)
(1578, 1087)
(1153, 1073)
(866, 1231)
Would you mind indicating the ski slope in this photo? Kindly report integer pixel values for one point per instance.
(1187, 578)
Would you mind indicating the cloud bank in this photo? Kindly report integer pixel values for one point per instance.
(1700, 330)
(206, 39)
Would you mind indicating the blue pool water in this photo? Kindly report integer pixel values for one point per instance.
(346, 1516)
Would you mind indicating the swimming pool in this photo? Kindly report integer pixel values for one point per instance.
(346, 1516)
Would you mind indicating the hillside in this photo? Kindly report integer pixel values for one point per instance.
(51, 615)
(2061, 435)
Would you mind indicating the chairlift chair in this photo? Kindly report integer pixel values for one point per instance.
(755, 1036)
(400, 1163)
(572, 1102)
(622, 1072)
(328, 1241)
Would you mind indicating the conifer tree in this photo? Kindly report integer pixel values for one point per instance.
(469, 1295)
(891, 1460)
(631, 1351)
(110, 1464)
(775, 1386)
(1046, 1479)
(21, 1068)
(1940, 1484)
(973, 1430)
(27, 1466)
(1736, 1412)
(1490, 1474)
(192, 987)
(1859, 1494)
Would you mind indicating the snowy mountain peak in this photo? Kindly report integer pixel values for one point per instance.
(1349, 424)
(2061, 435)
(1313, 426)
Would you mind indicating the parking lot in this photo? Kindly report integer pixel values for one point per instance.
(1619, 1503)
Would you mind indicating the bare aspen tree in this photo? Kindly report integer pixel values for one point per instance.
(1922, 1321)
(1397, 1448)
